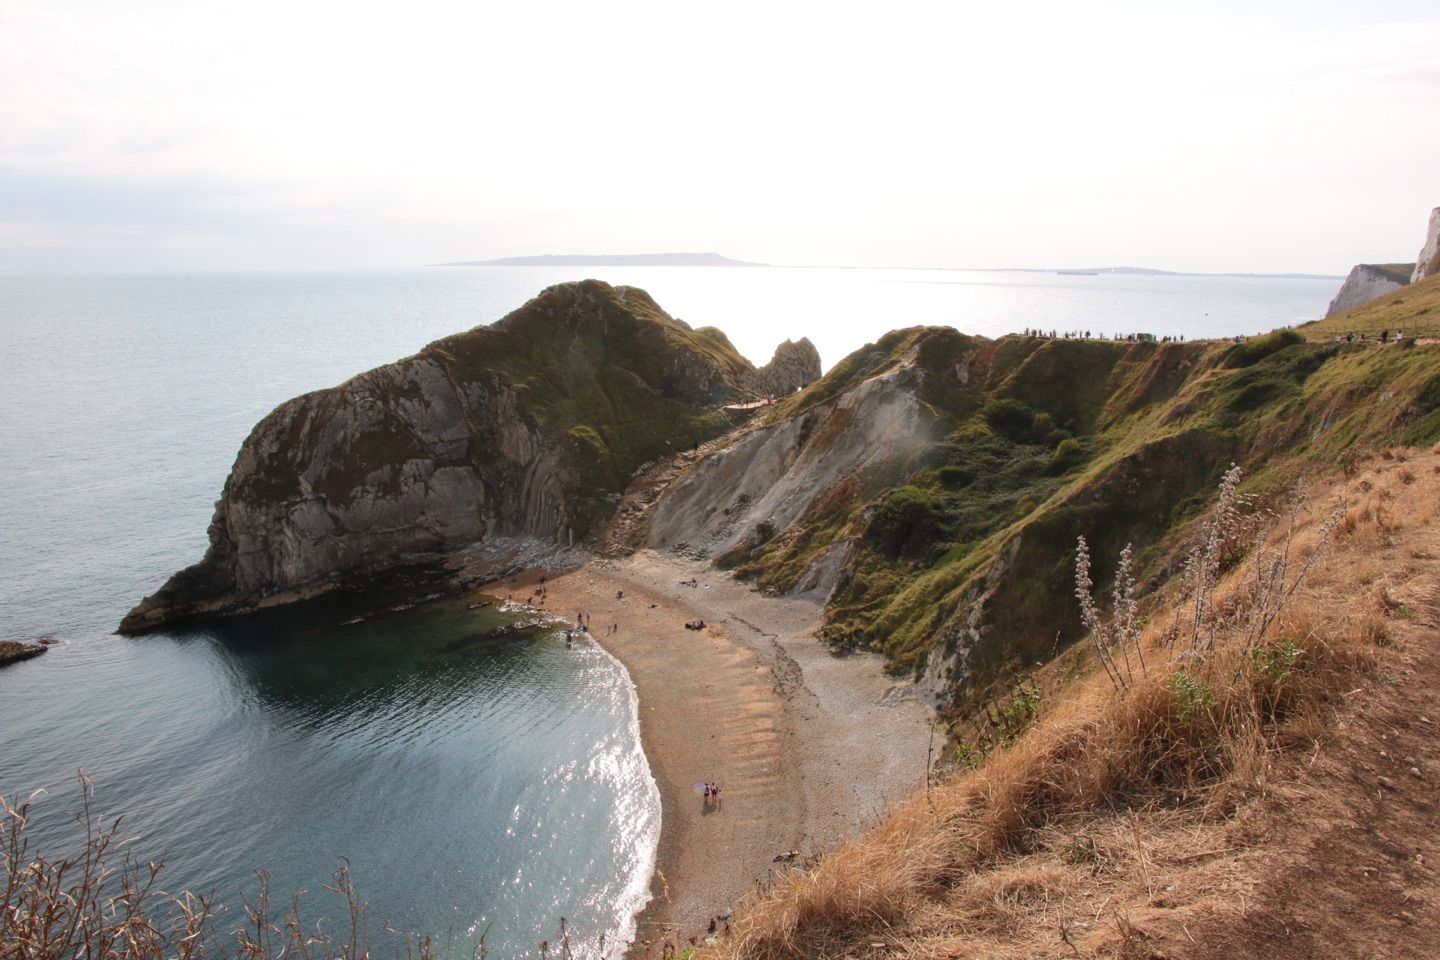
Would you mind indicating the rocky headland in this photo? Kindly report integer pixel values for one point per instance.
(920, 501)
(924, 490)
(1370, 281)
(1367, 281)
(530, 427)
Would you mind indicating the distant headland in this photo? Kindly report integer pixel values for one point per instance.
(610, 260)
(716, 260)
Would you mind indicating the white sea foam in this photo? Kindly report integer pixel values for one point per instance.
(636, 894)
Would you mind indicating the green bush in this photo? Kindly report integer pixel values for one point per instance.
(1067, 454)
(1253, 351)
(954, 477)
(1009, 418)
(908, 522)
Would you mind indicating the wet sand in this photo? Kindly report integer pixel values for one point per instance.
(807, 748)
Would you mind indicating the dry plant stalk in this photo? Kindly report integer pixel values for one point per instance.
(1188, 737)
(1122, 631)
(82, 907)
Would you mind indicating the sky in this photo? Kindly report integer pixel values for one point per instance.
(309, 134)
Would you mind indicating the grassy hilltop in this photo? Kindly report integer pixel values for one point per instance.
(1233, 758)
(1237, 759)
(965, 550)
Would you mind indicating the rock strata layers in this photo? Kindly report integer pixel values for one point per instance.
(529, 427)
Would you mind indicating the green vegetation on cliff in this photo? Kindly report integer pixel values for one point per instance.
(532, 426)
(606, 372)
(961, 562)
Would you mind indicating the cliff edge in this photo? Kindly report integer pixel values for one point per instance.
(1427, 264)
(1366, 281)
(531, 426)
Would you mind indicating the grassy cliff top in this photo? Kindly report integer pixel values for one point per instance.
(1038, 440)
(1414, 309)
(1399, 272)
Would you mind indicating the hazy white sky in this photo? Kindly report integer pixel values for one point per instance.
(1247, 136)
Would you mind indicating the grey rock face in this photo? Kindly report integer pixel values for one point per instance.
(1428, 263)
(796, 364)
(522, 428)
(1366, 282)
(775, 473)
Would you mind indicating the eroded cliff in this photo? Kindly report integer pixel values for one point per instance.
(531, 426)
(1366, 281)
(930, 488)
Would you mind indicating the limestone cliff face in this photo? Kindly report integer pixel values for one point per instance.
(768, 478)
(1427, 264)
(930, 488)
(796, 364)
(528, 427)
(1368, 281)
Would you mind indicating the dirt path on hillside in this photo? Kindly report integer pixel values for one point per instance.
(1351, 845)
(1340, 855)
(808, 748)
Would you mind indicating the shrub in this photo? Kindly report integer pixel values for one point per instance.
(1193, 695)
(1244, 354)
(1009, 418)
(908, 522)
(1067, 454)
(955, 477)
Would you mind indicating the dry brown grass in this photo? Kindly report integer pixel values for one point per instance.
(1064, 843)
(1000, 860)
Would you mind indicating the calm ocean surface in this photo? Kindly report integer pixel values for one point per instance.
(469, 782)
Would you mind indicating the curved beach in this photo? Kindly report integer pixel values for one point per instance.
(807, 747)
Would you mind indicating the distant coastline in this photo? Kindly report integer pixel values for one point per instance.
(610, 260)
(717, 260)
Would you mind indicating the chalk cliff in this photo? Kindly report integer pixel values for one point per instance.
(1368, 281)
(531, 426)
(1427, 264)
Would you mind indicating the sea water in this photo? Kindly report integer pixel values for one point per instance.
(474, 782)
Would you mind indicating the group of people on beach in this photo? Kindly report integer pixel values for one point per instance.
(712, 794)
